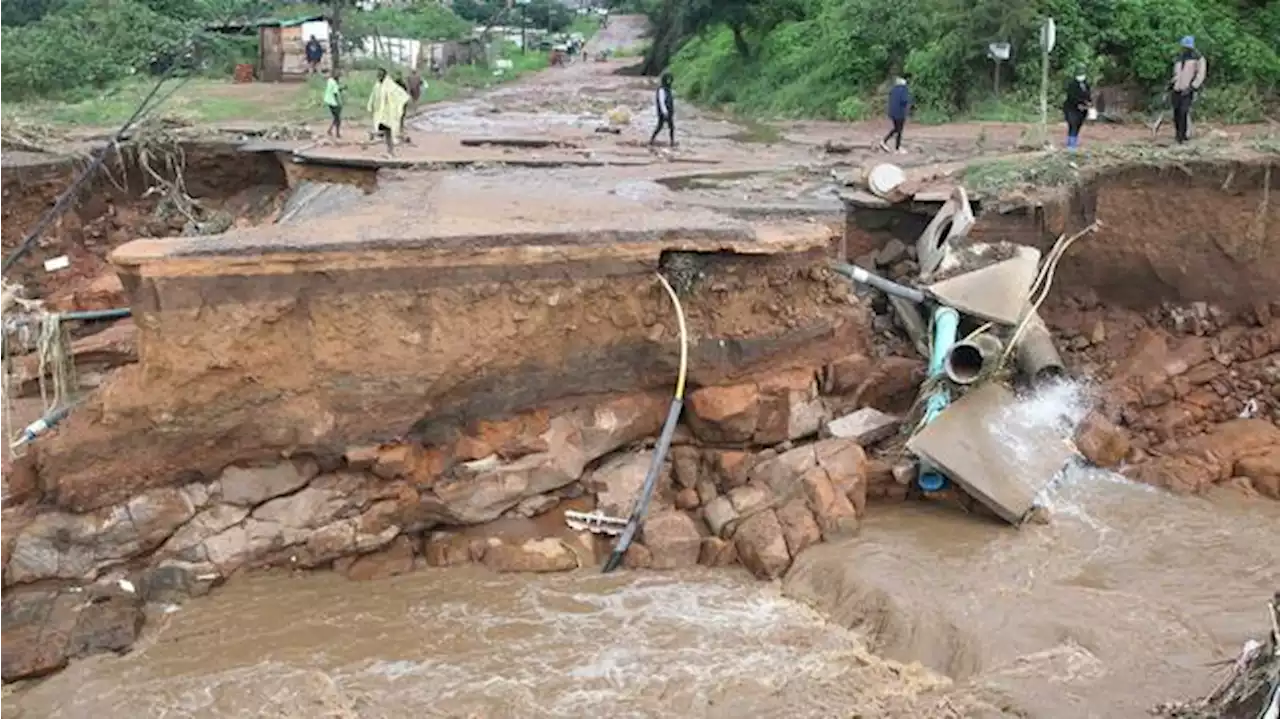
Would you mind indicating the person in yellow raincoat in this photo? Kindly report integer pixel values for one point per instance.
(387, 104)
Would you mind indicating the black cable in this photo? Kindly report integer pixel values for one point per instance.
(64, 201)
(70, 193)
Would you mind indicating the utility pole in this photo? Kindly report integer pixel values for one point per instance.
(335, 34)
(1048, 36)
(524, 16)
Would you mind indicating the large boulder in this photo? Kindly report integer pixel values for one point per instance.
(1102, 442)
(481, 490)
(617, 483)
(549, 554)
(59, 545)
(762, 546)
(43, 629)
(251, 486)
(673, 539)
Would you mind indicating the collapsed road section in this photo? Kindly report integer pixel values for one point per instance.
(361, 389)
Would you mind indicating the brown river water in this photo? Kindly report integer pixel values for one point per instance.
(1121, 601)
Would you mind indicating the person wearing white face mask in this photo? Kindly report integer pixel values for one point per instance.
(1076, 107)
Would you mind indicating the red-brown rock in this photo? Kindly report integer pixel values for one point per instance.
(1102, 442)
(762, 546)
(450, 549)
(892, 385)
(104, 292)
(717, 552)
(673, 540)
(1263, 471)
(725, 414)
(1181, 474)
(395, 558)
(798, 526)
(549, 554)
(728, 467)
(847, 374)
(687, 499)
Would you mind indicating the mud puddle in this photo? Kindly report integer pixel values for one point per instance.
(467, 643)
(812, 185)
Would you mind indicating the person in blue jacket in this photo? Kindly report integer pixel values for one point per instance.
(899, 104)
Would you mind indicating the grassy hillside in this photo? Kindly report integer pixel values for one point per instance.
(833, 58)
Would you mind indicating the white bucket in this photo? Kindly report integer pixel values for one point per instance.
(884, 178)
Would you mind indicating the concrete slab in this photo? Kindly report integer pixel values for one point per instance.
(865, 426)
(854, 199)
(982, 444)
(408, 160)
(521, 142)
(997, 293)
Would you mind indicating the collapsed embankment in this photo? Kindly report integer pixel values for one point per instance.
(303, 403)
(1171, 307)
(387, 401)
(127, 199)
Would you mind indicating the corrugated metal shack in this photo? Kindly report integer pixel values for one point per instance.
(282, 45)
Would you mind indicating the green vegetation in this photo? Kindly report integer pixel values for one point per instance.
(549, 14)
(994, 177)
(89, 62)
(206, 100)
(833, 58)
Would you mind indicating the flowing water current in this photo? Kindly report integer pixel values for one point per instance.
(1121, 601)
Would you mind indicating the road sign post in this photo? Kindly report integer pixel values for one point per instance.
(1048, 37)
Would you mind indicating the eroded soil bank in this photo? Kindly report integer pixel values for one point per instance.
(442, 372)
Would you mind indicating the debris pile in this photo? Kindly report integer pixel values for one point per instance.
(1251, 688)
(972, 310)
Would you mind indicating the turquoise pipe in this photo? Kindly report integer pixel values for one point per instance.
(90, 315)
(946, 324)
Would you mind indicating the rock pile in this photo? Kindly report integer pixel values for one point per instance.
(748, 481)
(1191, 399)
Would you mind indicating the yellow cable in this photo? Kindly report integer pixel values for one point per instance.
(684, 337)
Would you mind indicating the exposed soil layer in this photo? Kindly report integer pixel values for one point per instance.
(115, 206)
(1190, 232)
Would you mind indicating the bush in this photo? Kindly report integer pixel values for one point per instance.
(86, 45)
(423, 21)
(831, 58)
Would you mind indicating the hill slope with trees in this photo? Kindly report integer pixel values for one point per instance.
(832, 58)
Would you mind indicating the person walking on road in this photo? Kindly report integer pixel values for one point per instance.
(1076, 107)
(665, 103)
(386, 105)
(333, 101)
(1188, 77)
(899, 105)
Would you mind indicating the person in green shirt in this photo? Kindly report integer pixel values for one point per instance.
(333, 101)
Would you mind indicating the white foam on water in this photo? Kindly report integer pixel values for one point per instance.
(1058, 408)
(600, 648)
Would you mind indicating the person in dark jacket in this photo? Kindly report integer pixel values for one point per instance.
(899, 104)
(665, 102)
(1189, 72)
(315, 53)
(1076, 107)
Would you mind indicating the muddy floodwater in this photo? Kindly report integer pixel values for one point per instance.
(1123, 600)
(467, 643)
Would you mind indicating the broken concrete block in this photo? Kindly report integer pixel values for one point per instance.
(865, 426)
(1000, 458)
(997, 292)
